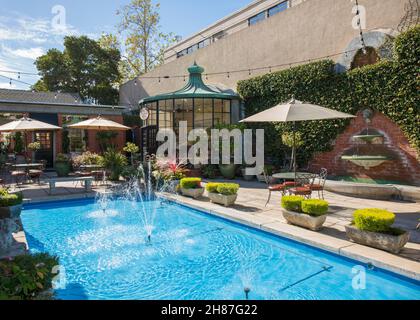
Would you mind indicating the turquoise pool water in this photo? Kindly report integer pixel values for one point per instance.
(192, 256)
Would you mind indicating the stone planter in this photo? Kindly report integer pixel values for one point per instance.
(10, 212)
(192, 193)
(223, 199)
(304, 220)
(247, 177)
(383, 241)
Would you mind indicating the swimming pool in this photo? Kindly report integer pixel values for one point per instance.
(193, 255)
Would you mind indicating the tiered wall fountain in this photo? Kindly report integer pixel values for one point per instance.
(369, 150)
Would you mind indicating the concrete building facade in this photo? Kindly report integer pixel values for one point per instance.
(300, 31)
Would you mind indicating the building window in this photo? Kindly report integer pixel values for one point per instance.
(203, 43)
(221, 111)
(364, 59)
(278, 8)
(166, 111)
(255, 19)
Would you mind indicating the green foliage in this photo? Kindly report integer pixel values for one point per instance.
(190, 183)
(228, 189)
(106, 139)
(18, 143)
(269, 169)
(390, 87)
(374, 220)
(131, 172)
(114, 162)
(212, 187)
(26, 277)
(315, 207)
(62, 158)
(209, 171)
(287, 139)
(65, 141)
(145, 43)
(131, 148)
(10, 199)
(292, 203)
(83, 67)
(34, 146)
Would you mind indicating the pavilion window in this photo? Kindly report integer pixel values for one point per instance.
(166, 114)
(221, 111)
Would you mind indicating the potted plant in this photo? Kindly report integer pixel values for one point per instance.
(191, 187)
(310, 214)
(62, 165)
(114, 162)
(209, 171)
(268, 169)
(223, 193)
(132, 149)
(373, 228)
(33, 147)
(170, 172)
(228, 171)
(10, 204)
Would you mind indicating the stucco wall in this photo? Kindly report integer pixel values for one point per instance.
(312, 29)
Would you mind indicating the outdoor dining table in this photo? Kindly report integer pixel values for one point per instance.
(291, 175)
(94, 167)
(27, 166)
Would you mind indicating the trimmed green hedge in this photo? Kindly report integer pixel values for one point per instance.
(292, 203)
(10, 199)
(190, 183)
(227, 189)
(315, 207)
(389, 87)
(374, 220)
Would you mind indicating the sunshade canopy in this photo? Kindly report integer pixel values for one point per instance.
(294, 111)
(99, 124)
(27, 124)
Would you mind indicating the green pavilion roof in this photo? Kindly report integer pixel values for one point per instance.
(195, 88)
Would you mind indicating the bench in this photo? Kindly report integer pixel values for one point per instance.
(87, 182)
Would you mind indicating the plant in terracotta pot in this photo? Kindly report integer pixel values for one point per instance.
(191, 187)
(373, 228)
(62, 165)
(310, 214)
(223, 193)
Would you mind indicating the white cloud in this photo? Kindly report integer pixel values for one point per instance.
(30, 53)
(6, 85)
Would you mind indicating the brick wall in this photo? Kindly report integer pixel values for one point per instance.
(406, 167)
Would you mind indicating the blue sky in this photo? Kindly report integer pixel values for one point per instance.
(26, 26)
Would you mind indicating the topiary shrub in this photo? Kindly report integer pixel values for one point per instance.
(212, 187)
(190, 183)
(228, 189)
(292, 203)
(26, 277)
(315, 207)
(10, 199)
(374, 220)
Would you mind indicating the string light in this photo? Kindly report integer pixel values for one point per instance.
(11, 80)
(251, 70)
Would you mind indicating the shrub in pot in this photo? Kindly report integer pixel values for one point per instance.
(10, 204)
(191, 187)
(310, 214)
(114, 162)
(62, 165)
(223, 193)
(373, 227)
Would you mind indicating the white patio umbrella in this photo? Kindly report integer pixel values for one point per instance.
(99, 124)
(25, 125)
(295, 111)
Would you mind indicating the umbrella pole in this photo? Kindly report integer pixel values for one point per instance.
(294, 147)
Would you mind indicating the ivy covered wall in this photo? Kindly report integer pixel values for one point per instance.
(390, 87)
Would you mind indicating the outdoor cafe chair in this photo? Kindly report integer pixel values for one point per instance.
(303, 186)
(319, 187)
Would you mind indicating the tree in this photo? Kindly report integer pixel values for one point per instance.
(145, 43)
(293, 141)
(84, 67)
